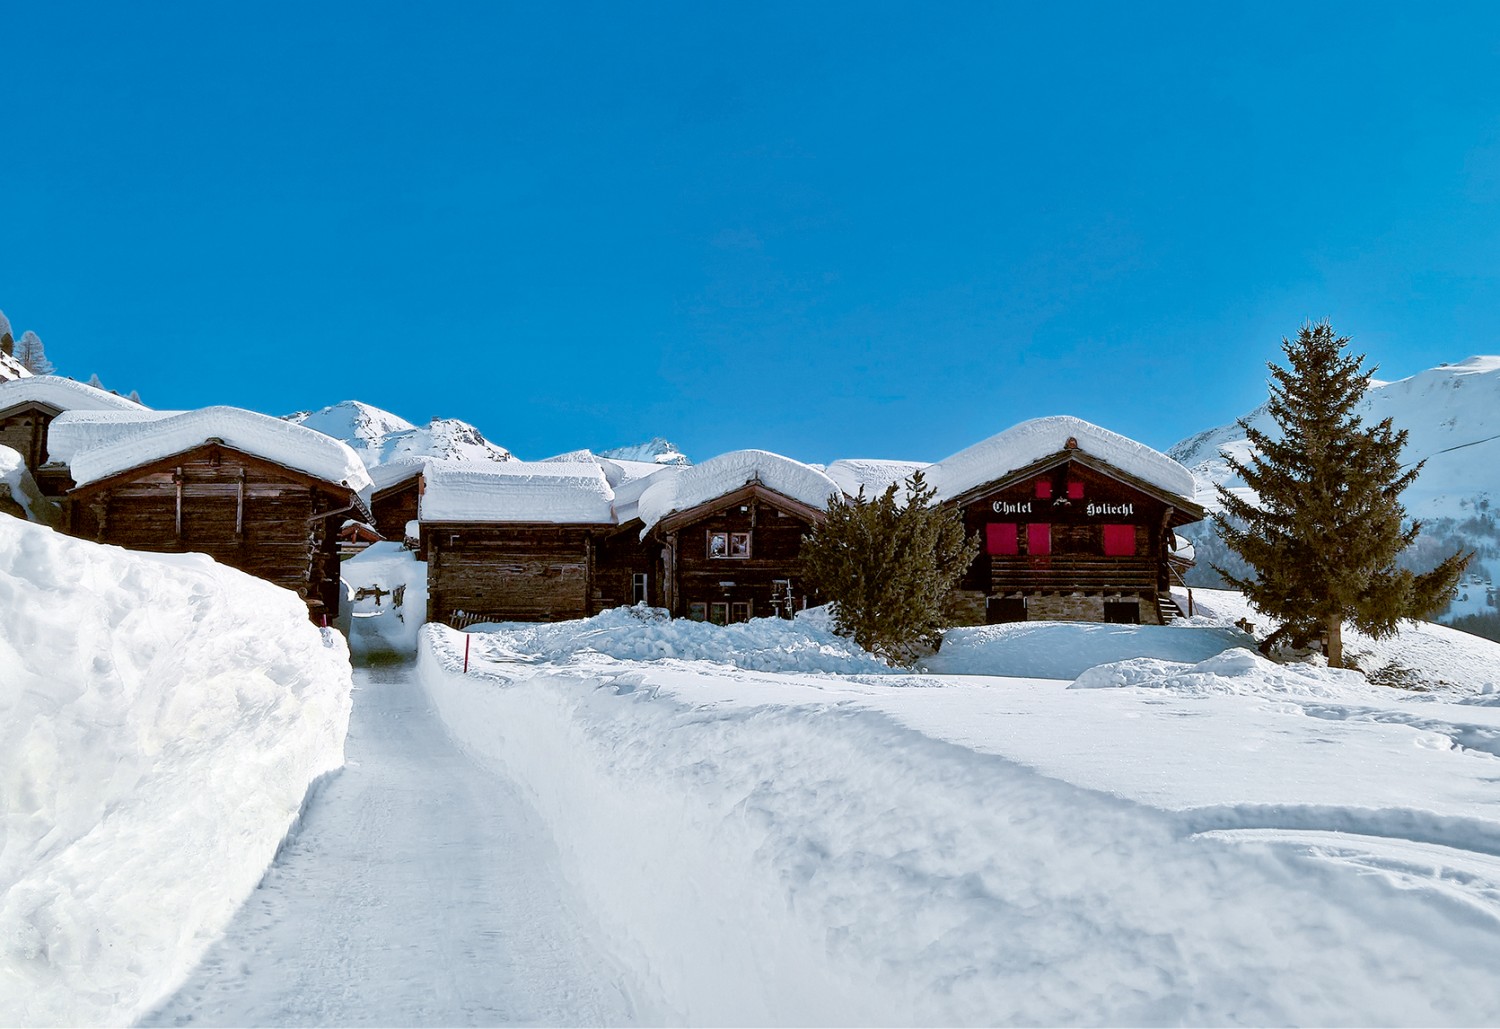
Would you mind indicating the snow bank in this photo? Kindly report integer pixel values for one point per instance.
(1031, 441)
(270, 438)
(161, 719)
(63, 394)
(1234, 672)
(17, 485)
(517, 491)
(73, 432)
(648, 634)
(872, 476)
(761, 860)
(1064, 650)
(726, 473)
(376, 622)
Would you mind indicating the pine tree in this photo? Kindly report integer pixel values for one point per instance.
(95, 381)
(1324, 536)
(888, 566)
(7, 341)
(31, 355)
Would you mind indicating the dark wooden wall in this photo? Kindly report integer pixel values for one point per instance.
(393, 508)
(618, 556)
(775, 543)
(279, 538)
(524, 573)
(24, 430)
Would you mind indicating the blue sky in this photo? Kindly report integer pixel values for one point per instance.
(826, 230)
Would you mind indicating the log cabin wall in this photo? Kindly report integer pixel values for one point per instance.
(394, 507)
(510, 572)
(627, 569)
(1067, 543)
(244, 512)
(755, 576)
(24, 430)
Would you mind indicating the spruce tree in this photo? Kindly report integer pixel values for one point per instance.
(888, 566)
(31, 355)
(1323, 538)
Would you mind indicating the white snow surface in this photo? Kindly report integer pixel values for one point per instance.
(1213, 841)
(16, 483)
(654, 451)
(727, 473)
(1051, 650)
(161, 719)
(1033, 440)
(73, 432)
(871, 474)
(377, 622)
(61, 393)
(380, 437)
(11, 369)
(273, 439)
(517, 491)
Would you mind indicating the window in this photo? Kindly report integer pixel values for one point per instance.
(1038, 539)
(1119, 540)
(1122, 612)
(728, 544)
(1001, 538)
(1004, 609)
(640, 588)
(718, 613)
(1075, 489)
(698, 611)
(1044, 488)
(739, 611)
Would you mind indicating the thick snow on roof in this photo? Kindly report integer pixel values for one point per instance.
(1031, 441)
(73, 432)
(265, 437)
(384, 476)
(517, 491)
(726, 473)
(869, 474)
(63, 394)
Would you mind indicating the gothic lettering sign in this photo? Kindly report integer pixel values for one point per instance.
(1003, 507)
(1118, 510)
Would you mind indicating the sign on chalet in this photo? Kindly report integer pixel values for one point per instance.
(257, 493)
(1075, 523)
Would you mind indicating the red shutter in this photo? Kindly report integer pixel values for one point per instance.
(1119, 540)
(1075, 489)
(1038, 539)
(1044, 488)
(1000, 538)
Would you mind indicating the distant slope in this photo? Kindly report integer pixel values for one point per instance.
(1452, 415)
(380, 437)
(654, 451)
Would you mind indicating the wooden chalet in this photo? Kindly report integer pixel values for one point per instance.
(28, 406)
(1075, 523)
(730, 532)
(395, 498)
(259, 494)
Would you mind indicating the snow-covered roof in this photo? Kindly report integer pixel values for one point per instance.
(384, 476)
(517, 491)
(272, 439)
(870, 474)
(63, 394)
(1023, 444)
(73, 432)
(726, 473)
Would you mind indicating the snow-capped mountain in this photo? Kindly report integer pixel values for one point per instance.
(1452, 417)
(654, 451)
(380, 437)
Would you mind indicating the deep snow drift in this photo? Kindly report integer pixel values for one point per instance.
(1196, 839)
(161, 719)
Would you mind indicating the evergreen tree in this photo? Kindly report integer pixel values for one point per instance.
(7, 341)
(888, 566)
(95, 381)
(31, 355)
(1323, 539)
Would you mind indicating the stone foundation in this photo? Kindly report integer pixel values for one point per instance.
(964, 607)
(967, 607)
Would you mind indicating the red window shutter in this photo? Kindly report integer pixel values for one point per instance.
(1038, 539)
(1001, 538)
(1075, 489)
(1044, 488)
(1119, 540)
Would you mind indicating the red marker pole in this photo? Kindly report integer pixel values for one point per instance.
(467, 639)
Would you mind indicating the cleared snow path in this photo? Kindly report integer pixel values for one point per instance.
(420, 889)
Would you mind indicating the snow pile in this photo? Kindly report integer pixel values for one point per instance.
(517, 491)
(381, 620)
(19, 488)
(270, 438)
(761, 850)
(161, 719)
(1064, 650)
(73, 432)
(648, 634)
(1023, 444)
(1238, 672)
(872, 476)
(62, 394)
(727, 473)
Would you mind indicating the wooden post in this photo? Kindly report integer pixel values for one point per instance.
(239, 510)
(177, 478)
(467, 640)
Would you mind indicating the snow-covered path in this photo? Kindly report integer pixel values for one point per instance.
(420, 890)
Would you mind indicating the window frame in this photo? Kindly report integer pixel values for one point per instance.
(737, 545)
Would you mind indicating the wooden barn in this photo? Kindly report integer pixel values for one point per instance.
(730, 531)
(395, 498)
(28, 406)
(257, 493)
(1075, 523)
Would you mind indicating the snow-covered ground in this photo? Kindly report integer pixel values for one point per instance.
(161, 719)
(1200, 837)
